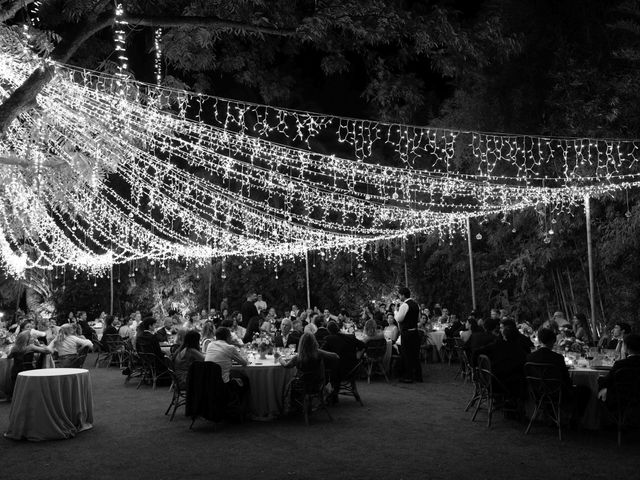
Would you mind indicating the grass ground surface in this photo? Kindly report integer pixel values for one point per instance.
(415, 431)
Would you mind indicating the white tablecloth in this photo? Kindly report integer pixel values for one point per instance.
(51, 404)
(5, 377)
(437, 338)
(589, 377)
(267, 381)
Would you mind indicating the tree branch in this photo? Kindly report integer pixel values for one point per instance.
(11, 11)
(211, 22)
(23, 162)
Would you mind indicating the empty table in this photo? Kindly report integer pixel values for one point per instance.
(50, 404)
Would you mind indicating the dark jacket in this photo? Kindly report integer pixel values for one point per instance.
(249, 312)
(146, 342)
(546, 355)
(629, 362)
(347, 347)
(292, 339)
(507, 359)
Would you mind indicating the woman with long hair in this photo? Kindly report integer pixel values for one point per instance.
(582, 329)
(23, 352)
(67, 343)
(188, 353)
(208, 335)
(371, 331)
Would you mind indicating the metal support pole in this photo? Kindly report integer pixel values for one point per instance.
(404, 254)
(306, 261)
(592, 282)
(473, 284)
(209, 291)
(111, 291)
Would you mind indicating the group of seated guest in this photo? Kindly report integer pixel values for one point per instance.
(632, 361)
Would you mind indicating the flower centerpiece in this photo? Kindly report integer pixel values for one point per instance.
(571, 344)
(263, 343)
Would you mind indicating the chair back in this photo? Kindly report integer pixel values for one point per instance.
(376, 348)
(544, 380)
(483, 371)
(206, 392)
(312, 380)
(626, 387)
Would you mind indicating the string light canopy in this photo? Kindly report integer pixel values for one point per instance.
(108, 170)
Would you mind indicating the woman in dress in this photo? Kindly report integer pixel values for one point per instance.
(23, 352)
(391, 330)
(188, 353)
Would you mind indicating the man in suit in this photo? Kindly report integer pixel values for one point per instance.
(322, 332)
(286, 337)
(248, 309)
(146, 342)
(525, 342)
(478, 340)
(577, 396)
(632, 342)
(507, 360)
(407, 315)
(162, 334)
(348, 348)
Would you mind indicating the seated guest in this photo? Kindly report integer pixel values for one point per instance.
(146, 341)
(471, 327)
(208, 335)
(23, 352)
(507, 360)
(126, 330)
(67, 344)
(52, 331)
(224, 354)
(310, 328)
(287, 336)
(454, 329)
(391, 331)
(632, 344)
(371, 332)
(477, 340)
(235, 335)
(582, 329)
(614, 342)
(186, 354)
(109, 330)
(321, 329)
(348, 348)
(162, 334)
(576, 397)
(236, 325)
(309, 356)
(525, 342)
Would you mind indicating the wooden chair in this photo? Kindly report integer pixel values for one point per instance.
(114, 348)
(544, 383)
(152, 369)
(179, 391)
(625, 393)
(305, 388)
(492, 392)
(374, 358)
(348, 384)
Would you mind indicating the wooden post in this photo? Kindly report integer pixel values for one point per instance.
(306, 261)
(592, 288)
(473, 285)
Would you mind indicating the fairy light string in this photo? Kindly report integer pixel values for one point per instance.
(124, 171)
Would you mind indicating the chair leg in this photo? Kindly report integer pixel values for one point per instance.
(490, 409)
(480, 398)
(534, 415)
(306, 406)
(355, 392)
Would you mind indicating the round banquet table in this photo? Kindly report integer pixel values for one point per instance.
(267, 383)
(589, 377)
(50, 404)
(437, 338)
(5, 377)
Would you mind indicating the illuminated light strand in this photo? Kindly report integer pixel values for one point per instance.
(157, 63)
(272, 232)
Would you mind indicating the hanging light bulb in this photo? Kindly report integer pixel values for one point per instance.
(479, 236)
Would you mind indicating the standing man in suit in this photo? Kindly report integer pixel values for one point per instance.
(407, 315)
(249, 310)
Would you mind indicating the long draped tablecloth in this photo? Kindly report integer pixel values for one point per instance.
(51, 404)
(267, 383)
(5, 377)
(588, 377)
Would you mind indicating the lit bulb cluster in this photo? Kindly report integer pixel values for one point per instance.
(157, 64)
(120, 48)
(140, 177)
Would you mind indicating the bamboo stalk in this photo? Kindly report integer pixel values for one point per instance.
(564, 300)
(573, 297)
